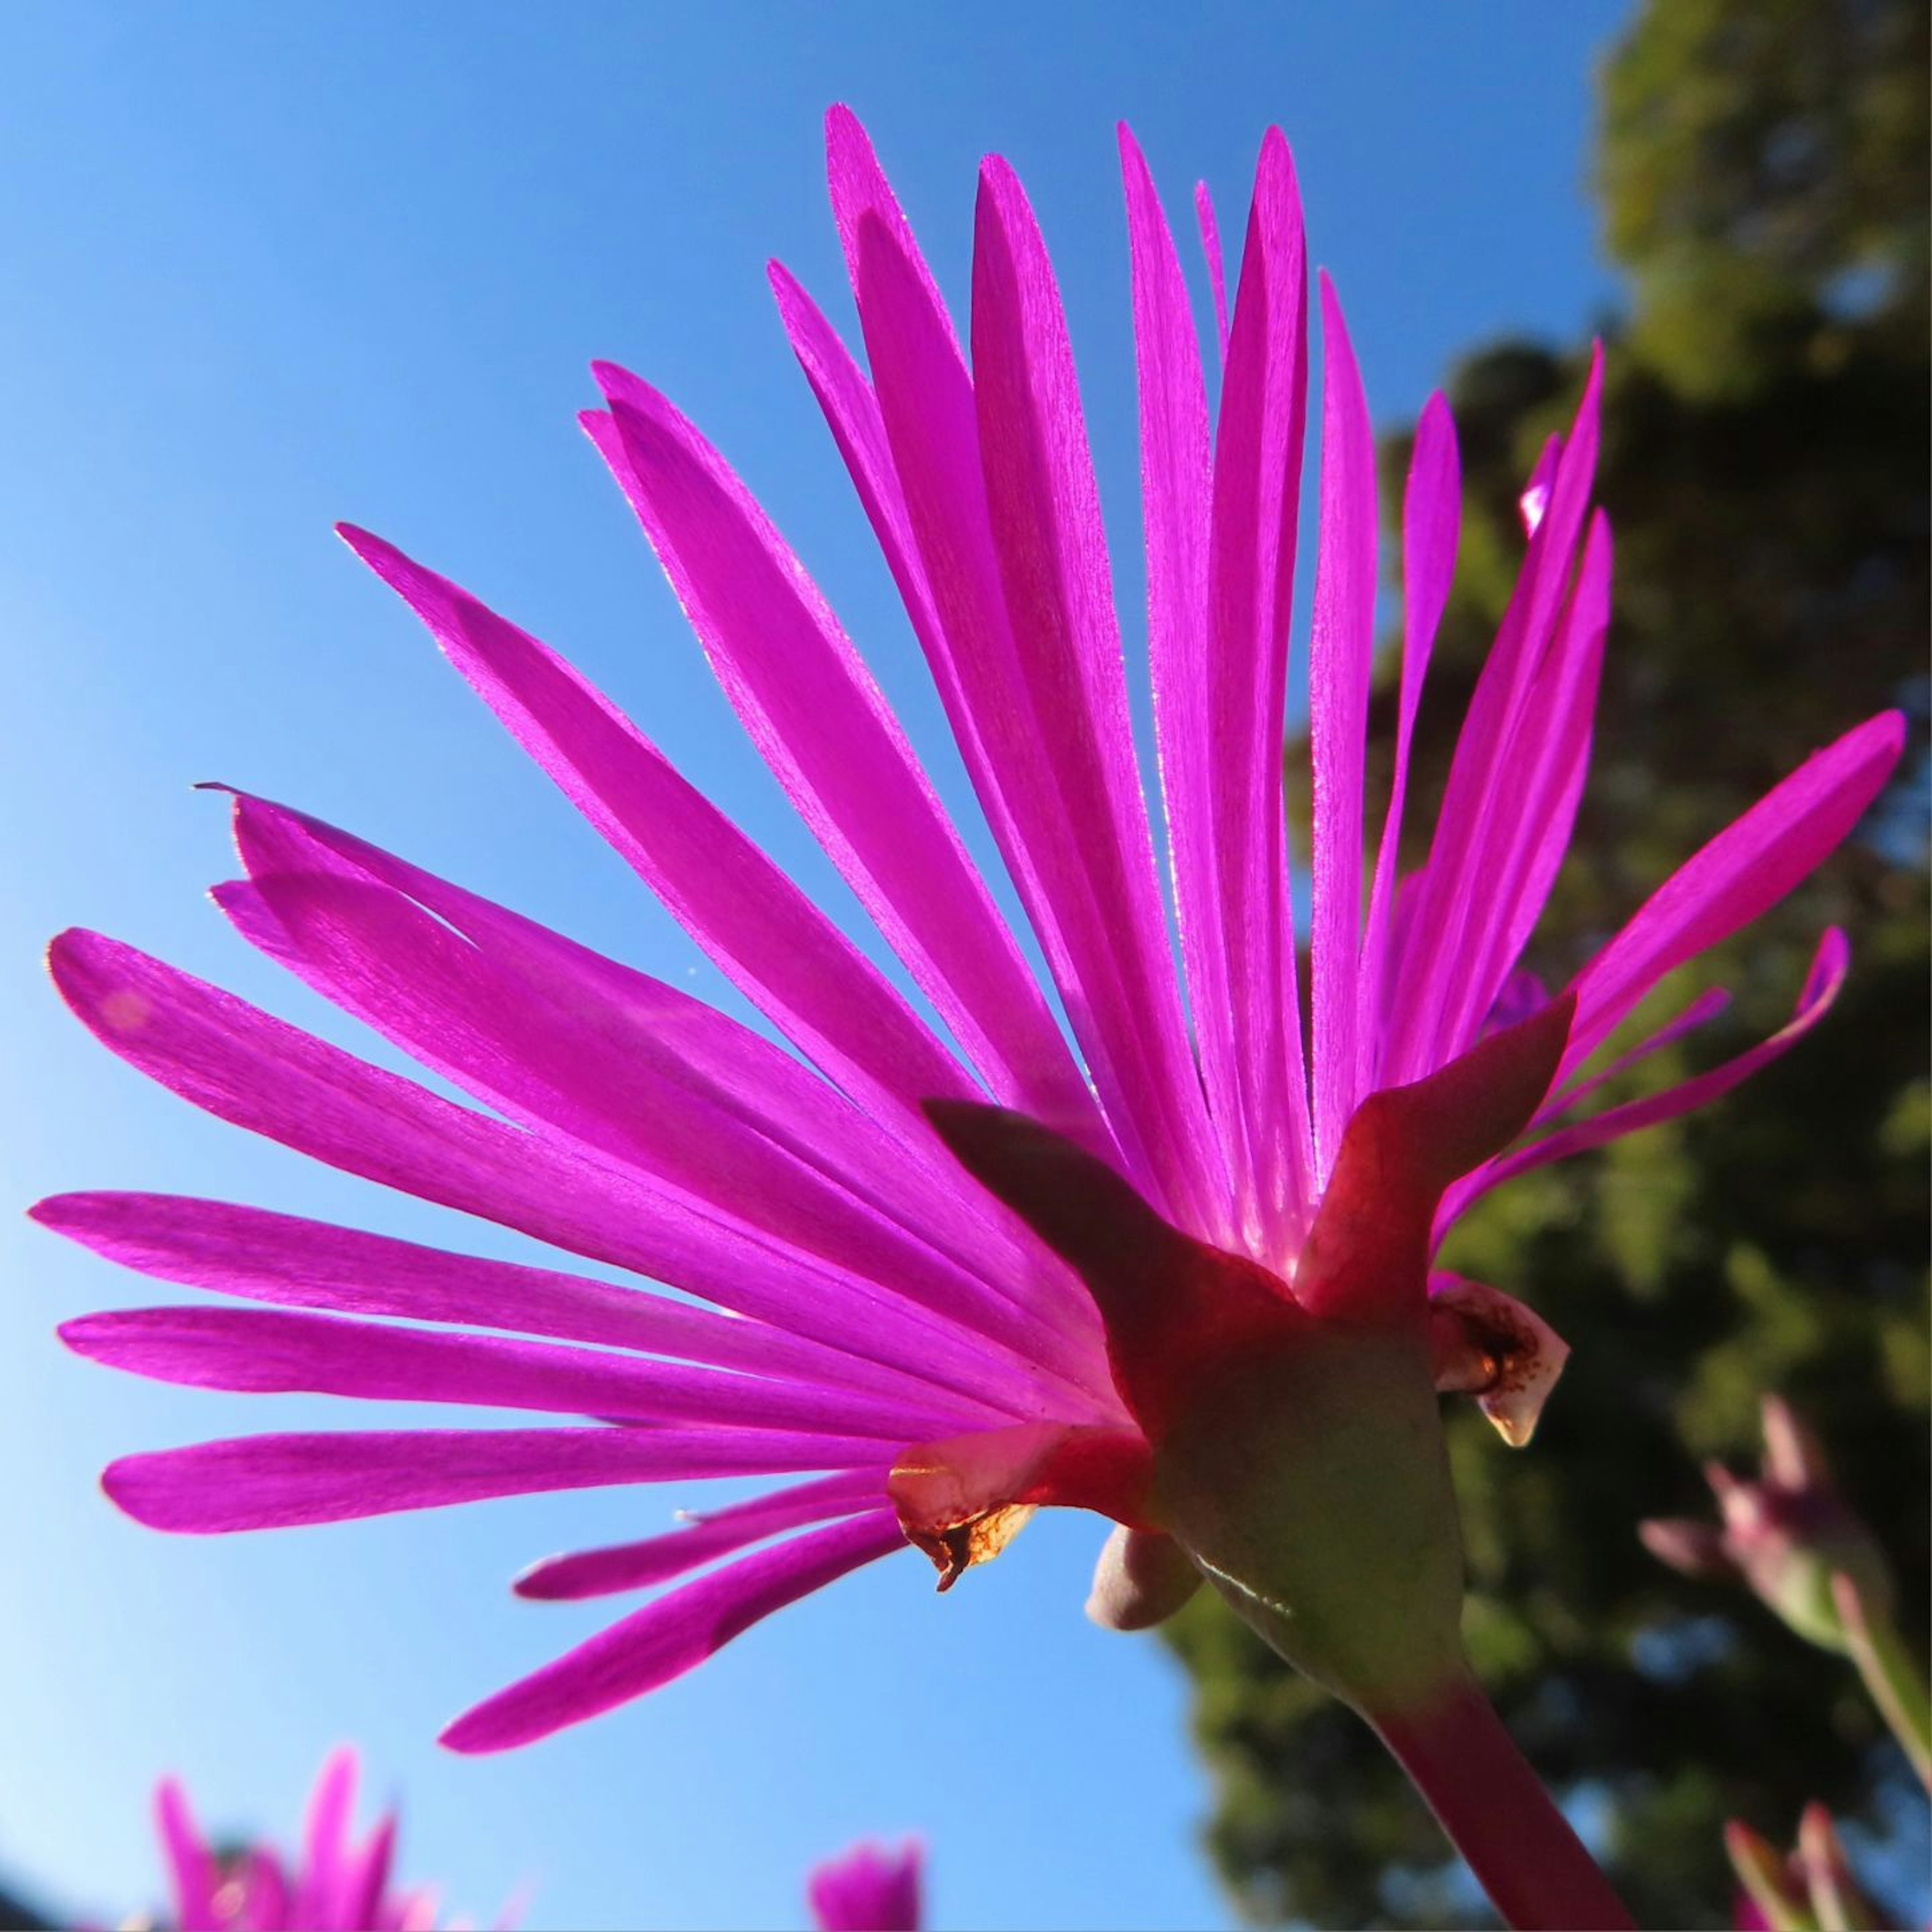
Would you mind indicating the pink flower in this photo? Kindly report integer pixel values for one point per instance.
(333, 1885)
(869, 1889)
(1787, 1534)
(1184, 1183)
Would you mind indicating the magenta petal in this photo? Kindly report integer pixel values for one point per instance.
(233, 1060)
(869, 1889)
(1700, 1011)
(1051, 548)
(695, 1057)
(820, 722)
(1740, 874)
(656, 1559)
(519, 1044)
(273, 1482)
(1177, 492)
(368, 1880)
(1231, 875)
(1342, 655)
(1456, 902)
(264, 1352)
(1821, 989)
(916, 355)
(674, 1634)
(191, 1872)
(1210, 247)
(1550, 769)
(1432, 522)
(321, 1890)
(277, 1258)
(764, 934)
(852, 413)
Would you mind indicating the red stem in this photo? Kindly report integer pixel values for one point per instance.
(1497, 1815)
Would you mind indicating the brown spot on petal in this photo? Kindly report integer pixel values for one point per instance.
(1486, 1343)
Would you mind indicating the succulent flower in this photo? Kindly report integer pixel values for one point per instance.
(1170, 1260)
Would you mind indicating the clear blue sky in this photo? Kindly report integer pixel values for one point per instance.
(268, 266)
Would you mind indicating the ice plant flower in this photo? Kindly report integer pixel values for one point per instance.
(1194, 1291)
(1787, 1534)
(334, 1885)
(1790, 1537)
(1812, 1889)
(869, 1889)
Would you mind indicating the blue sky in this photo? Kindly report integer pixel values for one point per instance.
(269, 267)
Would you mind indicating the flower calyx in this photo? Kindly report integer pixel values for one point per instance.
(1288, 1445)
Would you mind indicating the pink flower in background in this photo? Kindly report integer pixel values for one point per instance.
(869, 1889)
(934, 1362)
(333, 1885)
(1787, 1533)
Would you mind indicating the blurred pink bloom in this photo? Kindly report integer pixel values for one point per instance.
(869, 1889)
(875, 1312)
(1785, 1533)
(333, 1885)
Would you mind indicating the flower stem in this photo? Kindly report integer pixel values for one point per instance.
(1891, 1674)
(1497, 1815)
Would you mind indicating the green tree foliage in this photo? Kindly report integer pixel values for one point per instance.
(1763, 167)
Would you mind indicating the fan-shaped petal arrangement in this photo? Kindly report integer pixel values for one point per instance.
(1232, 1155)
(334, 1884)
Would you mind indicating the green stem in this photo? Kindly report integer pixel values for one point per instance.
(1492, 1805)
(1891, 1674)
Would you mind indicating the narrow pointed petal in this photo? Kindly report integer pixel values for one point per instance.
(765, 936)
(819, 721)
(656, 1559)
(851, 412)
(238, 1063)
(191, 1873)
(1690, 1547)
(260, 1256)
(320, 1892)
(1232, 872)
(1341, 656)
(1739, 875)
(1176, 496)
(1822, 985)
(1541, 789)
(1706, 1007)
(369, 1880)
(696, 1052)
(861, 195)
(912, 343)
(1432, 522)
(1457, 893)
(1051, 547)
(520, 1046)
(273, 1482)
(1210, 248)
(264, 1352)
(1794, 1458)
(672, 1636)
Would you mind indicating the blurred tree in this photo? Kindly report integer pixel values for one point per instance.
(1763, 168)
